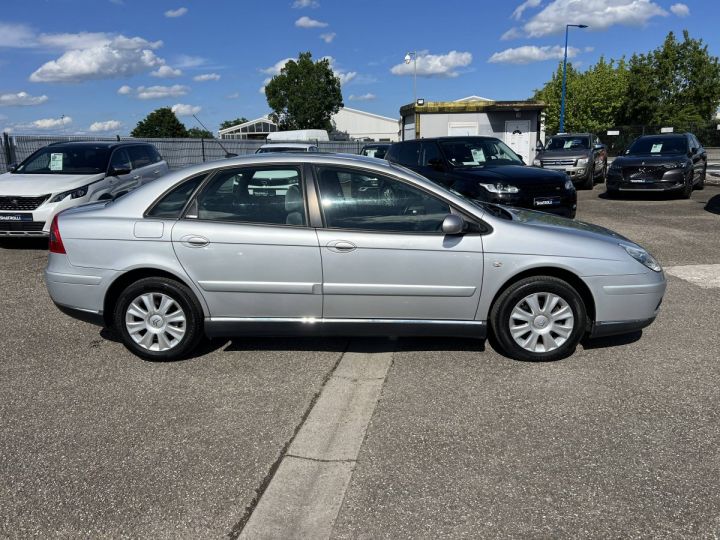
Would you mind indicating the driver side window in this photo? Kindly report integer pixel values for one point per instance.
(360, 200)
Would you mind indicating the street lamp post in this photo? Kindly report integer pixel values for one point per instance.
(562, 97)
(408, 57)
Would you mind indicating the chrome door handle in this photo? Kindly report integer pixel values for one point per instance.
(156, 172)
(341, 246)
(136, 177)
(194, 241)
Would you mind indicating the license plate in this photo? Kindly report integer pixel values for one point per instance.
(640, 180)
(16, 217)
(547, 201)
(263, 192)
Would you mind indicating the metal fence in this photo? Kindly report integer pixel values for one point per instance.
(177, 152)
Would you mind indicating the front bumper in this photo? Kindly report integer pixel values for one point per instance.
(576, 174)
(35, 223)
(566, 205)
(673, 180)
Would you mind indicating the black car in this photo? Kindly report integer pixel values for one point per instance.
(674, 162)
(377, 150)
(486, 169)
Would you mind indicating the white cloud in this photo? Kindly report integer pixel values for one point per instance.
(234, 95)
(181, 109)
(166, 72)
(328, 37)
(301, 4)
(51, 123)
(118, 57)
(344, 76)
(531, 53)
(108, 125)
(275, 69)
(185, 61)
(307, 22)
(598, 14)
(513, 33)
(207, 77)
(681, 10)
(435, 65)
(21, 99)
(517, 14)
(154, 92)
(174, 13)
(69, 42)
(16, 35)
(364, 97)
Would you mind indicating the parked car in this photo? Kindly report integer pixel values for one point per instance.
(194, 254)
(63, 175)
(674, 162)
(580, 155)
(376, 150)
(286, 147)
(486, 169)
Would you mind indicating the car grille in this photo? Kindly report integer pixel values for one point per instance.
(22, 203)
(645, 172)
(546, 189)
(558, 162)
(21, 226)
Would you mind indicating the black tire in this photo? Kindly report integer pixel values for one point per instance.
(603, 176)
(183, 297)
(589, 182)
(686, 192)
(611, 193)
(500, 317)
(701, 184)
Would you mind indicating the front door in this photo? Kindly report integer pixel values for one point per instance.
(246, 244)
(517, 137)
(384, 255)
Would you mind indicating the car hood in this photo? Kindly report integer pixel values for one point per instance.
(648, 159)
(563, 154)
(511, 174)
(34, 185)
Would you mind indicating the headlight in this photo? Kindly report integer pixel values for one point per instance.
(675, 165)
(73, 194)
(537, 163)
(582, 162)
(500, 188)
(642, 256)
(569, 185)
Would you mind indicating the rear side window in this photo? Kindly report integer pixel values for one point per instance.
(407, 154)
(140, 156)
(430, 154)
(154, 154)
(172, 204)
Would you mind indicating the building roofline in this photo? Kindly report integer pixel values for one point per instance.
(236, 126)
(370, 114)
(435, 107)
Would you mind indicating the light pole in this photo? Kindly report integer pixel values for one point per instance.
(562, 97)
(408, 57)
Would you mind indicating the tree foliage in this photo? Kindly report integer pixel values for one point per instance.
(305, 94)
(230, 123)
(160, 124)
(199, 133)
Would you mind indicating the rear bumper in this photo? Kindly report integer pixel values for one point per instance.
(88, 316)
(616, 328)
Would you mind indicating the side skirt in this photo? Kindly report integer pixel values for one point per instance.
(275, 326)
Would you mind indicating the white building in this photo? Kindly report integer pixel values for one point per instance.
(359, 125)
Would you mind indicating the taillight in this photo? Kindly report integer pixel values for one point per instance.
(56, 243)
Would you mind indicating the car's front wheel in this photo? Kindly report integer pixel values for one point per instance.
(539, 318)
(701, 184)
(158, 319)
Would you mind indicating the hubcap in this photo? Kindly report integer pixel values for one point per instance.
(541, 322)
(155, 321)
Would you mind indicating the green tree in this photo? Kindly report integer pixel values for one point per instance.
(305, 94)
(160, 124)
(230, 123)
(198, 133)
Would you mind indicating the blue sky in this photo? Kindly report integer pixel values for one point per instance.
(105, 64)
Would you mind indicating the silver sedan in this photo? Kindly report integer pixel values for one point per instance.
(304, 244)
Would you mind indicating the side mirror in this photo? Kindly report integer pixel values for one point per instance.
(539, 147)
(453, 224)
(437, 164)
(118, 172)
(12, 167)
(693, 151)
(599, 147)
(229, 155)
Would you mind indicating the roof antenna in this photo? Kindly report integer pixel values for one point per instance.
(227, 154)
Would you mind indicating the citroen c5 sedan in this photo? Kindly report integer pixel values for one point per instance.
(212, 250)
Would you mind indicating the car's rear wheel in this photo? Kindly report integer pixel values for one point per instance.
(539, 318)
(158, 319)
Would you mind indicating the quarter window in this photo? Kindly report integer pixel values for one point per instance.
(140, 156)
(172, 204)
(353, 199)
(271, 195)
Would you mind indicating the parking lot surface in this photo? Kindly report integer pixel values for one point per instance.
(619, 440)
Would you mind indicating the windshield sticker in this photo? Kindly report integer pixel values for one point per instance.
(56, 162)
(656, 148)
(568, 144)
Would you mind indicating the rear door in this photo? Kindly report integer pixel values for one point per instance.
(145, 165)
(247, 245)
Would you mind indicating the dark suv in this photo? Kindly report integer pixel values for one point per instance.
(675, 162)
(580, 155)
(486, 169)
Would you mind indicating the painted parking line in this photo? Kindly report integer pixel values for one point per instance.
(706, 276)
(305, 494)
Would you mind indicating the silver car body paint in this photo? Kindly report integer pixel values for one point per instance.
(271, 273)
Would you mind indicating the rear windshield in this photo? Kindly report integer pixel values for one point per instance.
(78, 159)
(659, 145)
(568, 143)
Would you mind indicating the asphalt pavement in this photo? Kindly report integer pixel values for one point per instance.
(619, 440)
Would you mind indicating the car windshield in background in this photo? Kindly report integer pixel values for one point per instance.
(375, 151)
(270, 149)
(479, 153)
(80, 159)
(568, 143)
(659, 145)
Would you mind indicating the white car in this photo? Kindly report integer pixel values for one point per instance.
(64, 175)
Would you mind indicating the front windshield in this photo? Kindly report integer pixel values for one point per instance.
(568, 143)
(659, 146)
(66, 159)
(375, 151)
(466, 153)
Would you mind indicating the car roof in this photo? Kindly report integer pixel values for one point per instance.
(664, 135)
(452, 138)
(585, 134)
(96, 144)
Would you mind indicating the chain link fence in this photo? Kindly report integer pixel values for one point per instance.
(177, 152)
